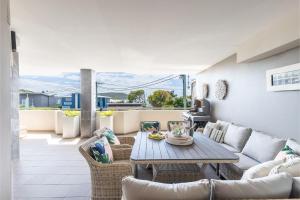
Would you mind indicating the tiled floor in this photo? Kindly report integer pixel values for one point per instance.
(52, 168)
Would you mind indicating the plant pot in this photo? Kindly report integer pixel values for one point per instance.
(70, 127)
(59, 122)
(104, 122)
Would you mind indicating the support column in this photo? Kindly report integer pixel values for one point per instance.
(87, 102)
(5, 102)
(15, 125)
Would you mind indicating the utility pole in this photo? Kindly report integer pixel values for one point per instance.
(183, 77)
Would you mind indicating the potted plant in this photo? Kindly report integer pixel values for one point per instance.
(71, 124)
(104, 119)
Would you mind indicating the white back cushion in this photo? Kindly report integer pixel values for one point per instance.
(135, 189)
(261, 170)
(269, 187)
(263, 147)
(237, 136)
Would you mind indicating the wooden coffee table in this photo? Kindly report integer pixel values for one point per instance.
(203, 150)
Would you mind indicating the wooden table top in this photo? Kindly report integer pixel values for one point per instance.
(203, 150)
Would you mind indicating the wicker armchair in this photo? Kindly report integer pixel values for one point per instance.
(106, 178)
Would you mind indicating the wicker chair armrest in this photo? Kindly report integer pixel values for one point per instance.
(120, 146)
(121, 153)
(126, 140)
(118, 169)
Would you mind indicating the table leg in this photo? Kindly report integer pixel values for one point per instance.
(218, 169)
(135, 170)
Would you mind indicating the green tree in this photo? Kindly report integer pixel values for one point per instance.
(137, 96)
(160, 98)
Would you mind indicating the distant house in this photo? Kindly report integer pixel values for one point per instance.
(73, 101)
(35, 99)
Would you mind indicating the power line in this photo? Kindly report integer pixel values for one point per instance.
(145, 85)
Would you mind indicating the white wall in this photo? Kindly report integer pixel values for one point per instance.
(37, 120)
(5, 103)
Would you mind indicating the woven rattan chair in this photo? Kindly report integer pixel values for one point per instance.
(106, 178)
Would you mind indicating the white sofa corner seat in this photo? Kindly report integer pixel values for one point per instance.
(135, 189)
(270, 187)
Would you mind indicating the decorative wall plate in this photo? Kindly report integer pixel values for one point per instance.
(221, 89)
(205, 90)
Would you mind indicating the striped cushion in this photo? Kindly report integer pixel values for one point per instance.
(217, 135)
(207, 131)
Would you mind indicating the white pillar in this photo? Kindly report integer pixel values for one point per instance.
(87, 102)
(5, 102)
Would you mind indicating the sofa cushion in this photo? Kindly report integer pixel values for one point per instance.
(223, 125)
(235, 170)
(263, 147)
(286, 153)
(237, 136)
(296, 188)
(135, 189)
(294, 145)
(259, 188)
(292, 167)
(261, 170)
(230, 148)
(101, 151)
(217, 135)
(109, 134)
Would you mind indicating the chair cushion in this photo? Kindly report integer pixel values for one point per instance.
(237, 136)
(260, 188)
(294, 145)
(296, 188)
(109, 134)
(223, 125)
(101, 151)
(150, 126)
(261, 170)
(135, 189)
(230, 148)
(217, 135)
(262, 147)
(292, 167)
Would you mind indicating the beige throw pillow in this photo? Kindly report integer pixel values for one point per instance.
(261, 170)
(217, 135)
(291, 167)
(209, 127)
(135, 189)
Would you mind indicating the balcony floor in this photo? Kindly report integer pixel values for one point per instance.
(52, 168)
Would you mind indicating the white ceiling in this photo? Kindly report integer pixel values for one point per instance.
(142, 36)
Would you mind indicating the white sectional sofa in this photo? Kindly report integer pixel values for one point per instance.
(279, 186)
(252, 147)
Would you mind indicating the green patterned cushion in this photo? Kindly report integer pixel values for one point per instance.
(150, 126)
(101, 151)
(286, 153)
(109, 134)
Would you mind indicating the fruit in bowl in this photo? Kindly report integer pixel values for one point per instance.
(156, 136)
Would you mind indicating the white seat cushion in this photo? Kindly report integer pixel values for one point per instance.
(230, 148)
(291, 166)
(296, 188)
(245, 162)
(237, 136)
(261, 170)
(135, 189)
(270, 187)
(263, 147)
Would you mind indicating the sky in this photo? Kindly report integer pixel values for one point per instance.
(66, 83)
